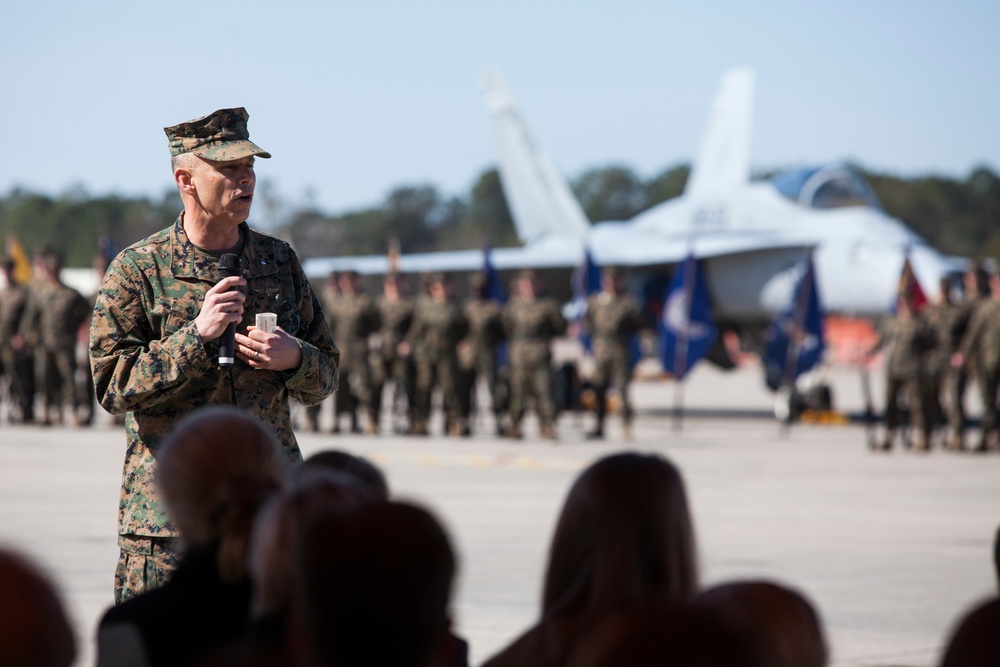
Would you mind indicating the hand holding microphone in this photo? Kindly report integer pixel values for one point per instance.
(223, 307)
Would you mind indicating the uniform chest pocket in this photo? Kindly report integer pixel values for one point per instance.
(272, 299)
(176, 313)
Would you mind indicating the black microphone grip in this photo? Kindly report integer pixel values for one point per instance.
(229, 265)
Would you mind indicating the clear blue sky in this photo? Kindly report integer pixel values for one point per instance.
(355, 98)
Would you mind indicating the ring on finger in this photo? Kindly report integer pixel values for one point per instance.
(256, 355)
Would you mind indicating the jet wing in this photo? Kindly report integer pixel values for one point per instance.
(622, 247)
(550, 252)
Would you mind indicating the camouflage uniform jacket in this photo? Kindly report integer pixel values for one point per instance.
(396, 316)
(912, 339)
(53, 316)
(950, 321)
(353, 318)
(485, 329)
(531, 324)
(982, 339)
(149, 361)
(437, 328)
(13, 300)
(611, 319)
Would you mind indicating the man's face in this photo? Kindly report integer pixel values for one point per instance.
(224, 190)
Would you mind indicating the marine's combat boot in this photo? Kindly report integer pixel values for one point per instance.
(549, 431)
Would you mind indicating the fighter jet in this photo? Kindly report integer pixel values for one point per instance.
(752, 235)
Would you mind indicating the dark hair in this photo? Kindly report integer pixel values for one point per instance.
(35, 630)
(358, 467)
(975, 642)
(782, 623)
(374, 585)
(624, 537)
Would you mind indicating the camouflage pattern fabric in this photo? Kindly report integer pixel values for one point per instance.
(530, 325)
(950, 322)
(148, 360)
(220, 136)
(437, 328)
(611, 319)
(144, 563)
(478, 357)
(16, 365)
(396, 317)
(981, 343)
(913, 341)
(353, 318)
(52, 318)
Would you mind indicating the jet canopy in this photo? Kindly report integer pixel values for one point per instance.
(824, 187)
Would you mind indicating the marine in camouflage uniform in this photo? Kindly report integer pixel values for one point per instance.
(396, 313)
(531, 321)
(611, 319)
(912, 340)
(438, 326)
(950, 321)
(15, 358)
(353, 318)
(981, 344)
(478, 352)
(54, 313)
(162, 307)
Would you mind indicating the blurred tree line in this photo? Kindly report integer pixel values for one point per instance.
(958, 216)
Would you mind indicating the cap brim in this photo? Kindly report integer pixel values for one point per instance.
(231, 150)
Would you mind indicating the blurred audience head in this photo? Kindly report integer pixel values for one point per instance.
(361, 469)
(624, 537)
(784, 626)
(674, 635)
(373, 588)
(976, 640)
(34, 628)
(278, 531)
(216, 470)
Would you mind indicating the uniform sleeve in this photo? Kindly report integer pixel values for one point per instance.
(556, 320)
(319, 373)
(132, 370)
(972, 333)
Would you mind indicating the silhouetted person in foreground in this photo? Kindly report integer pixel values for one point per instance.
(358, 467)
(624, 538)
(784, 626)
(34, 629)
(976, 640)
(216, 470)
(373, 590)
(666, 635)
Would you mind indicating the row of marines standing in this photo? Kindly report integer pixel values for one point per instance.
(433, 342)
(40, 323)
(934, 352)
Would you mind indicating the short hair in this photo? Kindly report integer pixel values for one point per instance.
(279, 527)
(216, 470)
(358, 467)
(783, 624)
(624, 537)
(384, 570)
(184, 161)
(34, 628)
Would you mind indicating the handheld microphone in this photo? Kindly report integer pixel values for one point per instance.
(229, 265)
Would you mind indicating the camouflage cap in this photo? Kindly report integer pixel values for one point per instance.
(220, 136)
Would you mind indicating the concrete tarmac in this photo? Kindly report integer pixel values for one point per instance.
(891, 548)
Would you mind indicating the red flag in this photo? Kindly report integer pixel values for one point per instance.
(910, 289)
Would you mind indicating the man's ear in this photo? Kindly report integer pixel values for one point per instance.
(182, 177)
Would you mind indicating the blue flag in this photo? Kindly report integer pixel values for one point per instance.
(586, 281)
(495, 292)
(686, 328)
(794, 342)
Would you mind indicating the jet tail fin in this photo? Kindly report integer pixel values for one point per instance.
(723, 160)
(540, 200)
